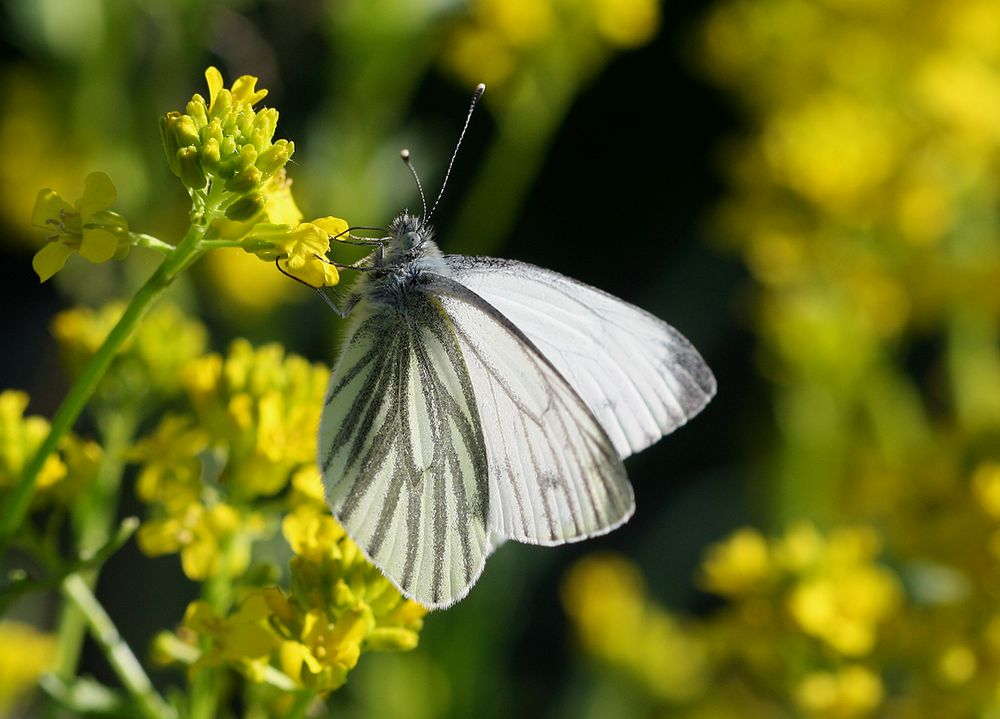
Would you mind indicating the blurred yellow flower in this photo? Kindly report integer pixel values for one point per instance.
(147, 369)
(25, 654)
(87, 226)
(240, 638)
(63, 475)
(986, 487)
(851, 691)
(615, 622)
(502, 41)
(738, 565)
(212, 540)
(20, 437)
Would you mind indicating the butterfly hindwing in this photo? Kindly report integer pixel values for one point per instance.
(640, 376)
(555, 475)
(401, 451)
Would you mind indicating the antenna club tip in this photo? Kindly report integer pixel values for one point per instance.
(480, 89)
(404, 154)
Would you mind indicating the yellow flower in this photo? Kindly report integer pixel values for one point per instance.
(87, 226)
(25, 654)
(626, 23)
(212, 540)
(64, 474)
(502, 41)
(20, 437)
(300, 250)
(986, 488)
(171, 468)
(313, 534)
(239, 639)
(147, 368)
(739, 565)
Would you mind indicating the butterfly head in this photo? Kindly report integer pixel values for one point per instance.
(408, 234)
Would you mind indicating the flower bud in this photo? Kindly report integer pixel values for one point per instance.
(186, 131)
(245, 180)
(169, 140)
(275, 157)
(245, 207)
(198, 111)
(210, 155)
(191, 172)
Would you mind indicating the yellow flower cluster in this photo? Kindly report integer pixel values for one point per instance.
(312, 636)
(251, 428)
(339, 604)
(831, 586)
(804, 610)
(224, 146)
(64, 473)
(262, 409)
(502, 38)
(147, 369)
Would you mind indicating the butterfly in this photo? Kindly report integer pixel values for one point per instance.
(478, 400)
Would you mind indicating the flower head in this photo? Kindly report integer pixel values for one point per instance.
(225, 149)
(87, 226)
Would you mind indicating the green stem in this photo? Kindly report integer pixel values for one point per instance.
(216, 244)
(19, 500)
(94, 516)
(303, 701)
(154, 243)
(119, 655)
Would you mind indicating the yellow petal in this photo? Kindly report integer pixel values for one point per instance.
(99, 193)
(314, 272)
(48, 205)
(50, 259)
(248, 642)
(98, 245)
(244, 90)
(202, 618)
(332, 226)
(214, 79)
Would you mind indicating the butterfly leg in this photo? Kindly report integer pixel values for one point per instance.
(351, 302)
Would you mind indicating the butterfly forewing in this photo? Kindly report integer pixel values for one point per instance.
(639, 376)
(402, 454)
(555, 476)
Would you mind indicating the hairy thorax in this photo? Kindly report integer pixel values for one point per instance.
(399, 267)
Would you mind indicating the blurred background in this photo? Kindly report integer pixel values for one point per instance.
(808, 190)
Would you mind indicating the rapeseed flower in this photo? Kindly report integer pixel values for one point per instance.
(86, 227)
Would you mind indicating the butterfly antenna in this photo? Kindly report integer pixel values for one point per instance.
(480, 89)
(405, 154)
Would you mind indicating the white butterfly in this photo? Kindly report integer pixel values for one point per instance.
(478, 400)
